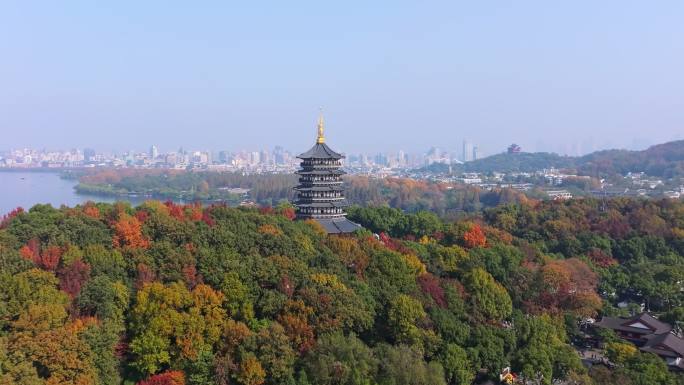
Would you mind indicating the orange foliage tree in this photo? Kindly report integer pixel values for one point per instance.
(128, 233)
(474, 237)
(295, 321)
(91, 210)
(570, 285)
(173, 377)
(349, 252)
(48, 258)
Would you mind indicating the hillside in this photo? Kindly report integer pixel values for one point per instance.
(664, 160)
(521, 162)
(170, 295)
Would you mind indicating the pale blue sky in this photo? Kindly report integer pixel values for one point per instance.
(391, 75)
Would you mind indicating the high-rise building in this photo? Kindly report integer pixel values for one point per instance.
(225, 157)
(279, 155)
(89, 155)
(467, 151)
(320, 194)
(254, 158)
(154, 152)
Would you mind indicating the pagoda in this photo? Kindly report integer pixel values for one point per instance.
(320, 195)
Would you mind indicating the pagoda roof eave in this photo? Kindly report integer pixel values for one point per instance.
(320, 151)
(320, 172)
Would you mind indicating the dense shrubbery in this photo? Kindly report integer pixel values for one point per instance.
(173, 295)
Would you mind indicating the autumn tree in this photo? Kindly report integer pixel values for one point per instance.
(474, 237)
(403, 316)
(171, 323)
(173, 377)
(128, 233)
(72, 277)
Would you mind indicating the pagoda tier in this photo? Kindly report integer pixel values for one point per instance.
(320, 188)
(320, 195)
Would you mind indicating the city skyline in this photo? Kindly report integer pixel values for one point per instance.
(468, 150)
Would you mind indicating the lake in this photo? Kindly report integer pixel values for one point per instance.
(28, 188)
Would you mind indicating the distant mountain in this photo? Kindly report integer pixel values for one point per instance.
(663, 160)
(523, 162)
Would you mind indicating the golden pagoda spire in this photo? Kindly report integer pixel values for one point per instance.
(321, 138)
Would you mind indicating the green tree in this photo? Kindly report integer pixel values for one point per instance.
(105, 299)
(405, 365)
(340, 359)
(404, 313)
(457, 366)
(102, 340)
(276, 354)
(487, 297)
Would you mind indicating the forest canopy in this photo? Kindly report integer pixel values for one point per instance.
(188, 294)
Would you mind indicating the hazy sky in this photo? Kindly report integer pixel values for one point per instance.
(390, 75)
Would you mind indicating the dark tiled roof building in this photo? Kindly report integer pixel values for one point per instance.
(635, 328)
(320, 194)
(651, 335)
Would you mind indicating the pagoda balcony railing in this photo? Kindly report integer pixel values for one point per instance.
(322, 215)
(321, 200)
(320, 182)
(326, 164)
(319, 166)
(304, 196)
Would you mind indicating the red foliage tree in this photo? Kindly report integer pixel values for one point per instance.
(394, 244)
(289, 213)
(206, 218)
(385, 239)
(31, 250)
(286, 286)
(175, 210)
(121, 348)
(142, 215)
(601, 258)
(192, 279)
(430, 285)
(145, 275)
(474, 237)
(196, 213)
(49, 258)
(614, 224)
(173, 377)
(73, 277)
(8, 217)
